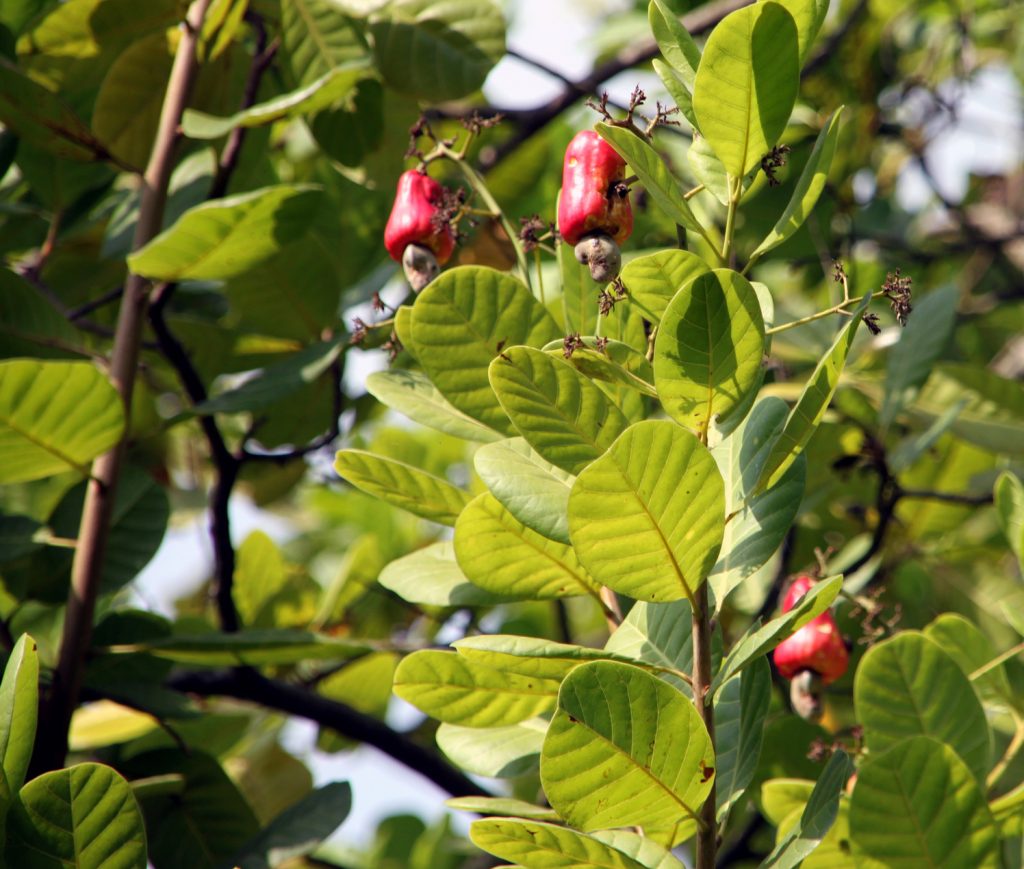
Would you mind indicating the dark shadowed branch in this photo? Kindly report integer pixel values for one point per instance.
(250, 686)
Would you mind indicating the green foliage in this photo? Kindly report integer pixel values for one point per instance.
(19, 693)
(708, 354)
(906, 686)
(461, 321)
(562, 415)
(928, 784)
(85, 817)
(817, 817)
(746, 84)
(505, 557)
(561, 523)
(607, 763)
(437, 51)
(647, 518)
(456, 690)
(54, 417)
(215, 240)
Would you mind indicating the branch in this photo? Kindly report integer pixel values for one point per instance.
(248, 685)
(226, 463)
(949, 497)
(87, 308)
(697, 22)
(328, 437)
(831, 46)
(261, 60)
(94, 530)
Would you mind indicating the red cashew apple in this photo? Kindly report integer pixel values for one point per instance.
(413, 235)
(813, 657)
(594, 214)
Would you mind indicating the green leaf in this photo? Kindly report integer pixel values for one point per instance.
(75, 43)
(678, 90)
(708, 352)
(993, 412)
(221, 25)
(127, 110)
(536, 845)
(29, 324)
(758, 523)
(808, 15)
(913, 447)
(299, 829)
(674, 41)
(431, 576)
(223, 238)
(625, 748)
(643, 848)
(659, 183)
(1009, 806)
(501, 806)
(18, 539)
(808, 186)
(412, 393)
(503, 556)
(84, 817)
(739, 731)
(455, 690)
(496, 752)
(615, 366)
(201, 826)
(336, 86)
(746, 84)
(562, 414)
(759, 640)
(317, 38)
(917, 803)
(529, 656)
(780, 797)
(438, 51)
(403, 485)
(247, 648)
(1009, 498)
(276, 382)
(54, 417)
(658, 634)
(818, 815)
(654, 279)
(921, 343)
(708, 169)
(532, 489)
(647, 518)
(138, 524)
(42, 119)
(461, 321)
(908, 686)
(15, 14)
(19, 709)
(260, 574)
(972, 650)
(354, 131)
(364, 685)
(811, 406)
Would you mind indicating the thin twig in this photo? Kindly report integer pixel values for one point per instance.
(87, 308)
(263, 55)
(949, 497)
